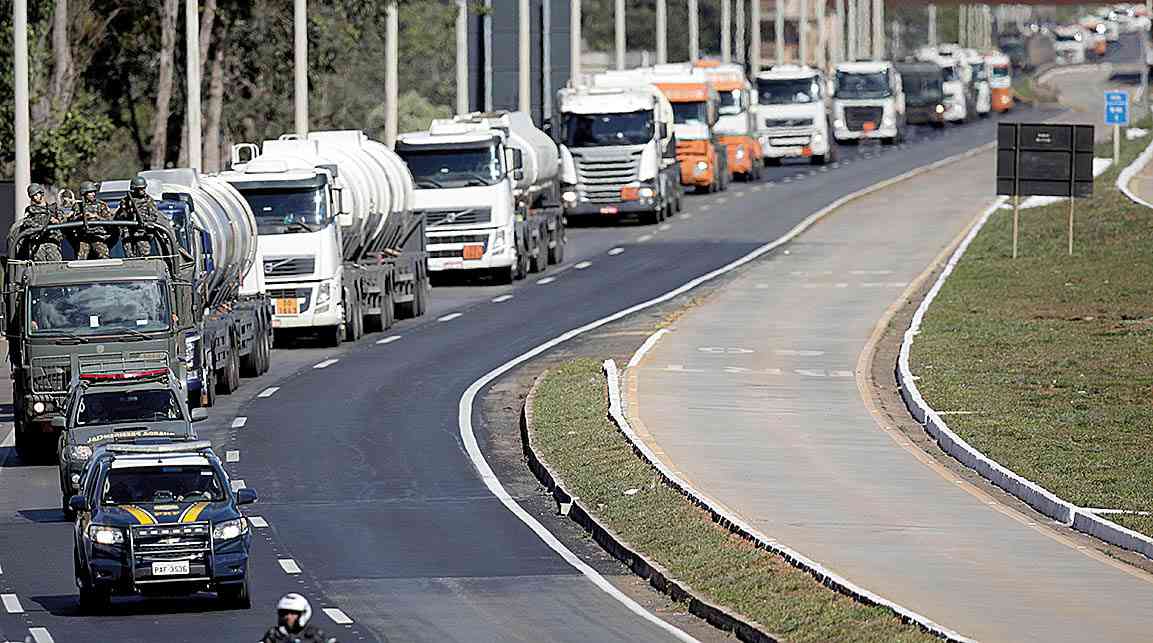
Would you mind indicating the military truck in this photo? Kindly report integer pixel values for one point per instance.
(93, 317)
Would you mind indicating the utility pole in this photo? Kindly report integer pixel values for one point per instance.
(391, 65)
(962, 26)
(524, 62)
(662, 32)
(620, 33)
(822, 57)
(755, 41)
(694, 31)
(192, 55)
(933, 25)
(726, 31)
(461, 56)
(864, 11)
(574, 45)
(852, 31)
(803, 33)
(779, 30)
(839, 40)
(300, 59)
(878, 29)
(20, 90)
(740, 18)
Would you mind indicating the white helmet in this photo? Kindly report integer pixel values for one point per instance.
(296, 603)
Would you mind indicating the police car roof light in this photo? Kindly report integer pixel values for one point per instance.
(172, 447)
(131, 375)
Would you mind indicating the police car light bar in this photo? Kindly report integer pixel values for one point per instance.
(173, 447)
(132, 375)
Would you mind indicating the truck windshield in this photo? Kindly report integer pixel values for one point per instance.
(787, 91)
(458, 167)
(99, 309)
(164, 484)
(694, 113)
(596, 130)
(125, 407)
(949, 74)
(288, 210)
(922, 89)
(1000, 72)
(863, 85)
(978, 70)
(732, 102)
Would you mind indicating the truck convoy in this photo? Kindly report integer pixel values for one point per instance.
(736, 125)
(868, 102)
(343, 250)
(487, 187)
(792, 115)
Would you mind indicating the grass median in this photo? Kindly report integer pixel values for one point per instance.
(574, 436)
(1044, 362)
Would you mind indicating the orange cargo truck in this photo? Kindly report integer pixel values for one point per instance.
(1000, 81)
(735, 126)
(704, 161)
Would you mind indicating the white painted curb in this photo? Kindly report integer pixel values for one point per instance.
(1028, 491)
(735, 524)
(1126, 176)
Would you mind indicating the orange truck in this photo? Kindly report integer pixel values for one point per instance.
(703, 158)
(999, 71)
(735, 126)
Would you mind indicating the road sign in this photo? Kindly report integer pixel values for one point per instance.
(1117, 108)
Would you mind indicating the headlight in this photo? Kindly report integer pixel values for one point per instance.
(940, 109)
(888, 121)
(839, 123)
(740, 152)
(818, 137)
(106, 535)
(38, 407)
(569, 196)
(323, 293)
(230, 529)
(499, 240)
(646, 193)
(79, 452)
(702, 166)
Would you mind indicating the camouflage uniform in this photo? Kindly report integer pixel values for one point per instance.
(46, 245)
(137, 241)
(92, 239)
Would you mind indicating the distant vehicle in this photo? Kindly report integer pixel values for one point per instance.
(1069, 45)
(1000, 81)
(703, 156)
(960, 103)
(793, 115)
(924, 93)
(736, 126)
(159, 519)
(979, 78)
(1015, 50)
(868, 102)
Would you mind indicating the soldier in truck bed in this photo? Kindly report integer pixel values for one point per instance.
(40, 213)
(92, 239)
(138, 206)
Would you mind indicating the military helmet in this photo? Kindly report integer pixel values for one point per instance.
(89, 187)
(35, 189)
(138, 183)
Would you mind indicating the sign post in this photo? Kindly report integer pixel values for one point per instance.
(1117, 115)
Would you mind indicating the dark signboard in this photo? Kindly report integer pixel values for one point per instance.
(1044, 160)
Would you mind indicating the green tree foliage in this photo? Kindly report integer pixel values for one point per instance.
(640, 33)
(61, 155)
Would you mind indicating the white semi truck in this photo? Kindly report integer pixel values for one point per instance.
(343, 250)
(868, 102)
(792, 115)
(487, 188)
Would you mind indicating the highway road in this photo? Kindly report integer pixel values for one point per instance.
(372, 504)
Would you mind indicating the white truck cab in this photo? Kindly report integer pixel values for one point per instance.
(868, 102)
(959, 95)
(979, 77)
(1069, 45)
(792, 114)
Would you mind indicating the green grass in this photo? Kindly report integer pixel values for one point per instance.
(574, 436)
(1051, 354)
(1029, 91)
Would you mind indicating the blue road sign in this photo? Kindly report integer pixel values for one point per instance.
(1116, 108)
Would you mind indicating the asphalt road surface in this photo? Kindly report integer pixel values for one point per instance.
(362, 474)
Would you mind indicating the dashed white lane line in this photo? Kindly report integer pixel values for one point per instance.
(237, 484)
(739, 193)
(501, 299)
(664, 227)
(268, 392)
(337, 616)
(722, 199)
(705, 207)
(546, 281)
(644, 237)
(238, 423)
(615, 251)
(288, 565)
(449, 317)
(582, 265)
(1, 571)
(686, 216)
(388, 340)
(326, 363)
(12, 604)
(258, 522)
(40, 635)
(232, 456)
(758, 188)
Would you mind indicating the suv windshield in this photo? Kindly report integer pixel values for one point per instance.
(454, 168)
(164, 484)
(595, 130)
(731, 102)
(871, 85)
(126, 407)
(697, 113)
(285, 210)
(99, 309)
(922, 88)
(787, 91)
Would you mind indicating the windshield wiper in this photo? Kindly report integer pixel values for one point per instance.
(61, 335)
(299, 225)
(428, 183)
(476, 179)
(135, 333)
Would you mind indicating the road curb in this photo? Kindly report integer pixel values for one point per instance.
(1033, 494)
(658, 577)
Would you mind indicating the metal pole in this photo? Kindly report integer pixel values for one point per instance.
(822, 57)
(300, 58)
(853, 31)
(391, 64)
(524, 62)
(20, 87)
(839, 40)
(461, 56)
(755, 41)
(1116, 145)
(878, 29)
(192, 71)
(1016, 221)
(779, 30)
(933, 25)
(726, 31)
(546, 90)
(694, 31)
(662, 32)
(574, 45)
(803, 32)
(961, 26)
(619, 14)
(740, 18)
(1072, 202)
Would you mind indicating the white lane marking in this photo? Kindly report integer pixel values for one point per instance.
(644, 237)
(326, 363)
(269, 392)
(492, 482)
(582, 265)
(258, 522)
(758, 188)
(705, 207)
(388, 340)
(646, 347)
(1, 570)
(798, 353)
(761, 286)
(232, 456)
(870, 272)
(501, 299)
(12, 604)
(546, 281)
(739, 193)
(40, 635)
(664, 226)
(449, 317)
(337, 616)
(722, 199)
(238, 423)
(288, 565)
(237, 484)
(615, 251)
(687, 215)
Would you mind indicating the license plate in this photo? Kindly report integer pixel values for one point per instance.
(173, 568)
(287, 307)
(806, 152)
(473, 252)
(869, 126)
(609, 209)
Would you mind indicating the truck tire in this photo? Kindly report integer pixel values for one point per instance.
(538, 262)
(228, 378)
(352, 323)
(209, 388)
(387, 310)
(252, 363)
(556, 253)
(332, 336)
(521, 268)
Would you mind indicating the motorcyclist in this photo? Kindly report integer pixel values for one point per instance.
(292, 615)
(40, 213)
(92, 239)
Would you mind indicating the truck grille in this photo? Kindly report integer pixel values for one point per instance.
(456, 217)
(771, 123)
(54, 374)
(856, 117)
(302, 295)
(437, 252)
(282, 266)
(163, 543)
(51, 374)
(603, 175)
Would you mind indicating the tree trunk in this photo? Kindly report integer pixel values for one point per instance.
(164, 83)
(63, 78)
(212, 147)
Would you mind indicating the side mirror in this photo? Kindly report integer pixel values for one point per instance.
(518, 174)
(199, 414)
(514, 158)
(664, 130)
(78, 504)
(245, 496)
(59, 422)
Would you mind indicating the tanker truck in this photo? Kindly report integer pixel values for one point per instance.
(343, 250)
(487, 187)
(216, 227)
